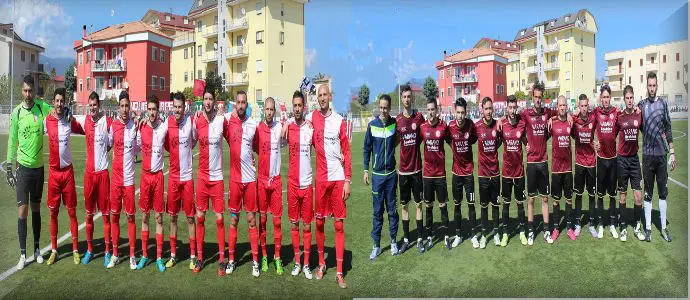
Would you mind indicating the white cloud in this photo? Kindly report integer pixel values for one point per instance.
(402, 64)
(379, 59)
(309, 56)
(40, 22)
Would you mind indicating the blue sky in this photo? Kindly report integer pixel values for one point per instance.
(376, 42)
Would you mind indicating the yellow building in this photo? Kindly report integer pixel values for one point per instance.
(255, 46)
(630, 67)
(560, 52)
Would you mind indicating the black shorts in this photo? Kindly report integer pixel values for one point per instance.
(585, 177)
(607, 175)
(461, 183)
(655, 168)
(629, 170)
(435, 188)
(562, 185)
(410, 184)
(489, 188)
(537, 179)
(29, 185)
(513, 185)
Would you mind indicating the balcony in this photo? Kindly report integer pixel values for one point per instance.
(652, 65)
(237, 25)
(551, 66)
(529, 52)
(614, 55)
(183, 39)
(467, 78)
(614, 71)
(615, 86)
(236, 52)
(237, 79)
(552, 84)
(531, 69)
(113, 65)
(209, 57)
(551, 48)
(210, 31)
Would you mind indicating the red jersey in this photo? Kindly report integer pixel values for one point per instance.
(434, 150)
(461, 140)
(179, 142)
(151, 142)
(299, 139)
(98, 142)
(123, 137)
(408, 130)
(561, 153)
(488, 141)
(606, 131)
(537, 134)
(333, 157)
(59, 134)
(210, 136)
(512, 136)
(628, 126)
(243, 143)
(583, 133)
(269, 143)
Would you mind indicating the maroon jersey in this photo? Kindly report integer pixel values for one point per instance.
(434, 150)
(461, 140)
(606, 131)
(561, 153)
(408, 129)
(583, 133)
(628, 125)
(488, 141)
(512, 149)
(537, 134)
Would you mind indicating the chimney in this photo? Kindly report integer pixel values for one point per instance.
(83, 31)
(444, 53)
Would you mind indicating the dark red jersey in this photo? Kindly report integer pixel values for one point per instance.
(461, 139)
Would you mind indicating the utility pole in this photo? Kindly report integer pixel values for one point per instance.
(12, 60)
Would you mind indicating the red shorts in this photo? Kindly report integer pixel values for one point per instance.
(300, 204)
(271, 196)
(214, 191)
(181, 192)
(61, 187)
(97, 191)
(329, 199)
(151, 192)
(242, 194)
(120, 194)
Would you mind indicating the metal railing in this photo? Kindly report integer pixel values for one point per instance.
(209, 56)
(183, 39)
(465, 78)
(614, 71)
(237, 24)
(112, 65)
(210, 30)
(236, 51)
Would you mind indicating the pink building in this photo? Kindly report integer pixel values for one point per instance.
(132, 57)
(472, 74)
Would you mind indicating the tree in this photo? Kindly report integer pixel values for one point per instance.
(188, 93)
(520, 95)
(70, 81)
(363, 95)
(5, 82)
(430, 88)
(214, 82)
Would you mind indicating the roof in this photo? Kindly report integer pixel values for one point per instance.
(469, 54)
(205, 4)
(176, 21)
(501, 46)
(118, 30)
(59, 78)
(8, 27)
(557, 24)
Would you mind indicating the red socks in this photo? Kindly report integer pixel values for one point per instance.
(106, 232)
(132, 234)
(200, 232)
(73, 227)
(339, 245)
(53, 228)
(254, 242)
(89, 233)
(144, 243)
(220, 237)
(307, 244)
(277, 237)
(159, 245)
(294, 233)
(320, 240)
(173, 246)
(115, 233)
(232, 240)
(262, 234)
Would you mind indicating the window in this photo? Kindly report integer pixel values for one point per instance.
(23, 55)
(33, 57)
(448, 91)
(198, 74)
(154, 54)
(567, 94)
(441, 93)
(100, 54)
(99, 81)
(81, 85)
(198, 50)
(512, 83)
(641, 78)
(162, 55)
(629, 79)
(677, 56)
(442, 73)
(652, 59)
(282, 66)
(567, 75)
(186, 53)
(162, 83)
(567, 56)
(679, 100)
(282, 37)
(259, 66)
(81, 58)
(113, 53)
(582, 56)
(154, 82)
(186, 76)
(198, 25)
(282, 9)
(260, 37)
(523, 82)
(522, 64)
(258, 7)
(259, 95)
(185, 21)
(640, 62)
(629, 63)
(677, 75)
(88, 84)
(663, 58)
(88, 56)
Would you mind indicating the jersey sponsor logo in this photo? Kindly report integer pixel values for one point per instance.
(409, 139)
(538, 129)
(630, 134)
(563, 141)
(462, 146)
(489, 145)
(512, 145)
(606, 126)
(432, 145)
